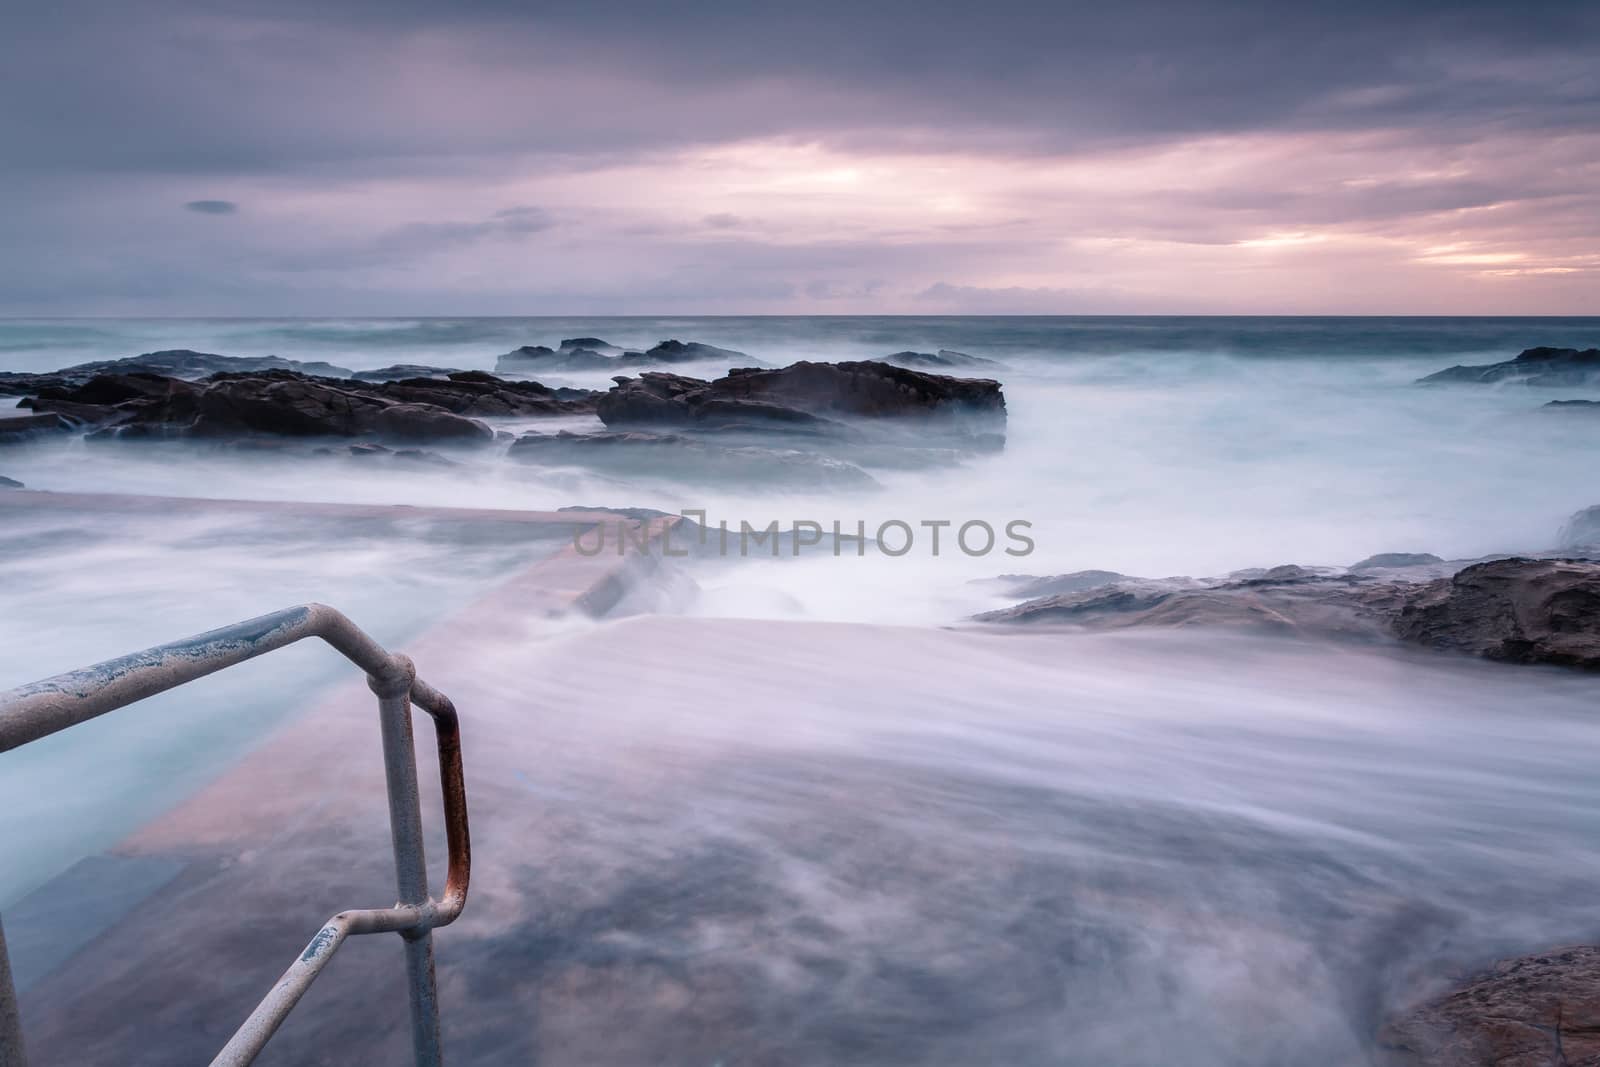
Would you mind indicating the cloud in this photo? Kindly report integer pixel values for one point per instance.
(212, 207)
(723, 220)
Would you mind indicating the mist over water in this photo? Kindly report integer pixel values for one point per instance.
(850, 833)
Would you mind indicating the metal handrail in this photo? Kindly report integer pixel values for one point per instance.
(52, 705)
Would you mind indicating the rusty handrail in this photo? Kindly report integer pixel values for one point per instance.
(54, 704)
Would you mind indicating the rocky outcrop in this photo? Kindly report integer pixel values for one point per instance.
(1541, 1010)
(398, 371)
(1515, 610)
(287, 404)
(576, 354)
(679, 457)
(24, 428)
(10, 483)
(1582, 530)
(944, 358)
(1388, 561)
(802, 392)
(1544, 367)
(170, 363)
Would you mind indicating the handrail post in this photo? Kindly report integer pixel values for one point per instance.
(410, 865)
(12, 1054)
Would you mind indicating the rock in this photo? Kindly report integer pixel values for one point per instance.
(175, 363)
(419, 423)
(25, 428)
(691, 352)
(1515, 610)
(286, 404)
(1320, 604)
(943, 358)
(1541, 1010)
(592, 344)
(402, 370)
(1535, 366)
(537, 359)
(575, 355)
(1391, 560)
(1032, 586)
(1582, 530)
(1583, 407)
(10, 483)
(679, 457)
(864, 390)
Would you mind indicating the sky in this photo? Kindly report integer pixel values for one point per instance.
(397, 157)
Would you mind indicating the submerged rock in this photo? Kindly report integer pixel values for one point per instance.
(1535, 366)
(680, 457)
(1541, 1010)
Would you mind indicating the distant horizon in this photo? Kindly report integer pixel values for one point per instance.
(772, 315)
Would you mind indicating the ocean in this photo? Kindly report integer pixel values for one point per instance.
(801, 811)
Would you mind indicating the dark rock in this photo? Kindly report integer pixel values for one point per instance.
(418, 423)
(1583, 407)
(1314, 603)
(1541, 1010)
(175, 363)
(10, 483)
(691, 352)
(283, 403)
(679, 457)
(403, 370)
(592, 344)
(23, 428)
(1582, 530)
(943, 358)
(866, 390)
(575, 356)
(1515, 610)
(1032, 586)
(1392, 560)
(1536, 366)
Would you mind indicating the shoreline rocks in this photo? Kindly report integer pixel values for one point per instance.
(281, 403)
(584, 354)
(1539, 1010)
(1543, 367)
(1513, 610)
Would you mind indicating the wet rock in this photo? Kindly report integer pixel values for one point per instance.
(24, 428)
(1582, 407)
(592, 344)
(1516, 610)
(1344, 605)
(574, 355)
(691, 352)
(10, 483)
(170, 363)
(942, 358)
(403, 370)
(1032, 586)
(1582, 530)
(679, 457)
(861, 390)
(1541, 1010)
(1536, 366)
(1392, 560)
(482, 395)
(420, 423)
